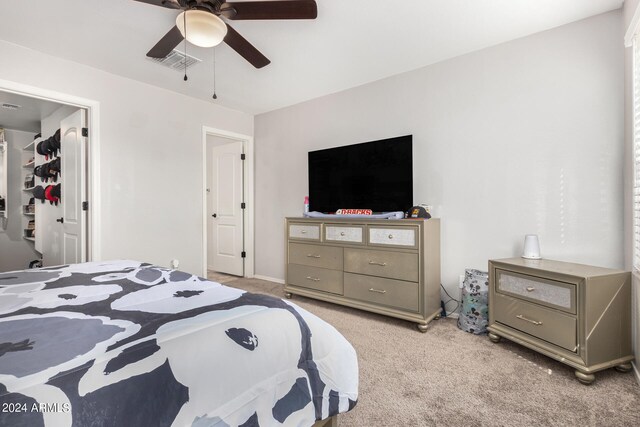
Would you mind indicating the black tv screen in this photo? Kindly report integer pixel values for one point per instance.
(374, 175)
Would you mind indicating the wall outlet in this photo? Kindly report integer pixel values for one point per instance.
(175, 263)
(461, 281)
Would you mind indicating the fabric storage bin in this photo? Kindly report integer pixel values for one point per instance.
(474, 313)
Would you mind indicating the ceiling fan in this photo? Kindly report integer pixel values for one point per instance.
(203, 17)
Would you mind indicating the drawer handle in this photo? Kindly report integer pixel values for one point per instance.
(382, 264)
(380, 291)
(315, 279)
(313, 256)
(391, 236)
(535, 322)
(342, 233)
(303, 231)
(530, 289)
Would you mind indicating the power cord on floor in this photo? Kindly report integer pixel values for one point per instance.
(444, 303)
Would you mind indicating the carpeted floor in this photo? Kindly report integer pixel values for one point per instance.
(449, 377)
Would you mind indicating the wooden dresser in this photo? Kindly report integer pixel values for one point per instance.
(390, 267)
(577, 314)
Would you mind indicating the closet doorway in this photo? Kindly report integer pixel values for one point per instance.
(228, 207)
(47, 141)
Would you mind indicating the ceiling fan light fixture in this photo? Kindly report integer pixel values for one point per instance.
(204, 29)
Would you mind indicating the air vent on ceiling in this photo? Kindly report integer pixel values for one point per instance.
(8, 106)
(176, 59)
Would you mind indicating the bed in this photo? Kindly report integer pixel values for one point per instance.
(124, 343)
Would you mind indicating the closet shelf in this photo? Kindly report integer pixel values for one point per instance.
(28, 189)
(30, 145)
(31, 239)
(30, 164)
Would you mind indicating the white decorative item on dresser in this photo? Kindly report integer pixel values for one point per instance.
(577, 314)
(390, 267)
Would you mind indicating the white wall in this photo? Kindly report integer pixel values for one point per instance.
(15, 252)
(524, 137)
(151, 173)
(630, 7)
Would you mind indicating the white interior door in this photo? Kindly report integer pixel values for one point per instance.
(73, 191)
(225, 215)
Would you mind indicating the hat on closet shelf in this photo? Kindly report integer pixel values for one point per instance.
(40, 148)
(56, 191)
(48, 148)
(51, 170)
(40, 172)
(49, 196)
(38, 193)
(56, 140)
(54, 166)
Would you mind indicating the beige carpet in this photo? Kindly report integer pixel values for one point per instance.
(447, 377)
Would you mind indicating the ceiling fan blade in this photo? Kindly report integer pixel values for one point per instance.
(166, 44)
(171, 4)
(245, 49)
(282, 9)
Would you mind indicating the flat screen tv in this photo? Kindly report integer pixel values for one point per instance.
(375, 175)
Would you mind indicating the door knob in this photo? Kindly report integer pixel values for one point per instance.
(60, 220)
(215, 215)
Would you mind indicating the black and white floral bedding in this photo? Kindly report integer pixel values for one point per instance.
(123, 343)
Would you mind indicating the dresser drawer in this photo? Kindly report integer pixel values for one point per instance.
(317, 278)
(315, 255)
(543, 291)
(392, 293)
(394, 236)
(341, 233)
(304, 231)
(394, 265)
(541, 322)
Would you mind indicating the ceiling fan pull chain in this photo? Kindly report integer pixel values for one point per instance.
(214, 74)
(184, 19)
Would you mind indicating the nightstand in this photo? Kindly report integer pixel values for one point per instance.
(577, 314)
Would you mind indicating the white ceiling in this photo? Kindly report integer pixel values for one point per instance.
(352, 42)
(27, 118)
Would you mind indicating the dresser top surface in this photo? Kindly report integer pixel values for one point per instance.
(560, 267)
(360, 220)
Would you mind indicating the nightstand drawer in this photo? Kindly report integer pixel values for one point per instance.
(541, 322)
(535, 289)
(315, 255)
(304, 231)
(394, 236)
(320, 279)
(394, 265)
(349, 234)
(392, 293)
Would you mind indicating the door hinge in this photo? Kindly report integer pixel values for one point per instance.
(242, 156)
(243, 254)
(85, 132)
(243, 205)
(85, 206)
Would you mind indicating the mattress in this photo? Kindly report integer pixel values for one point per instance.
(124, 343)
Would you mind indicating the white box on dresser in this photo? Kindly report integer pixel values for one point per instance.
(390, 267)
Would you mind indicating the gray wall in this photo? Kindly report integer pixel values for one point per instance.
(524, 137)
(15, 252)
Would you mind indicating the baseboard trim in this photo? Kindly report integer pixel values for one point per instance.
(268, 279)
(636, 371)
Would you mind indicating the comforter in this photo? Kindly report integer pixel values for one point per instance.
(124, 343)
